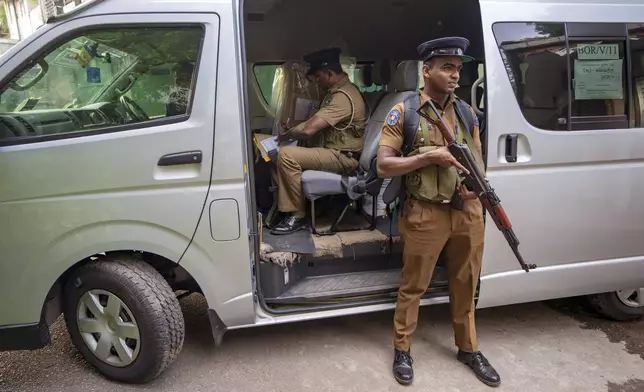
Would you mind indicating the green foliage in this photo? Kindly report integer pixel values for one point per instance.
(155, 46)
(550, 29)
(4, 22)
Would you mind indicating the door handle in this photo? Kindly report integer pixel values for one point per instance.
(511, 147)
(181, 158)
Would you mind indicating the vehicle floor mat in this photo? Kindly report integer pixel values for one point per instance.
(299, 242)
(368, 282)
(352, 284)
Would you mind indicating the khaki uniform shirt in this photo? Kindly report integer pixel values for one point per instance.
(392, 135)
(392, 131)
(340, 104)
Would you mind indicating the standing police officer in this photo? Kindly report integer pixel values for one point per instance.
(428, 223)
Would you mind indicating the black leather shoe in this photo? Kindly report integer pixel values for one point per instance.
(403, 371)
(481, 367)
(289, 225)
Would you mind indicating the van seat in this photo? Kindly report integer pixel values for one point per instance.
(317, 184)
(380, 76)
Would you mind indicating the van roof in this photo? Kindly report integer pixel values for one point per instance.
(366, 29)
(101, 7)
(261, 5)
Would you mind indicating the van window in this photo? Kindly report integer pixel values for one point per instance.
(573, 76)
(358, 78)
(100, 79)
(636, 42)
(534, 59)
(265, 74)
(153, 88)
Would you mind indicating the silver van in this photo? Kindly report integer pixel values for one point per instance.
(136, 164)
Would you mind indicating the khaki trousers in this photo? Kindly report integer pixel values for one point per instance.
(426, 229)
(291, 161)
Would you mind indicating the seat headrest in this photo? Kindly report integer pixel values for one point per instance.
(468, 74)
(381, 72)
(406, 76)
(365, 75)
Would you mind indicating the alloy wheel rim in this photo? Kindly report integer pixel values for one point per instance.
(108, 328)
(633, 298)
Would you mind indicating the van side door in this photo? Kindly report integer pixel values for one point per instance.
(566, 148)
(106, 144)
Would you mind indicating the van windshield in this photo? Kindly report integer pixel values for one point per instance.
(72, 75)
(106, 77)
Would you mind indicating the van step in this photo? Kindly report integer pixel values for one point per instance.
(351, 284)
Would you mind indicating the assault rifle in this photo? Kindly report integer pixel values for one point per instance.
(477, 183)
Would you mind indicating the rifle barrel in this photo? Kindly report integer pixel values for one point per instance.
(484, 192)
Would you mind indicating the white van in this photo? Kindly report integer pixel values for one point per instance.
(132, 168)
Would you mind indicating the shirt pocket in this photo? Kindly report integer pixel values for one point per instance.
(419, 140)
(436, 137)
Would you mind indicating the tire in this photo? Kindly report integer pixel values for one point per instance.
(148, 308)
(611, 306)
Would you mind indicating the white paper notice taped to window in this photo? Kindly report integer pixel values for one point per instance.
(598, 51)
(599, 79)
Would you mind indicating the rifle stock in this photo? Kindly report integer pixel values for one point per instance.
(477, 183)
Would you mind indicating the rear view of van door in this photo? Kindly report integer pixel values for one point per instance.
(106, 143)
(566, 147)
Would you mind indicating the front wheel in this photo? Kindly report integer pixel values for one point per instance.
(622, 305)
(124, 319)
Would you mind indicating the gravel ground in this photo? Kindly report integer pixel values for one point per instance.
(554, 346)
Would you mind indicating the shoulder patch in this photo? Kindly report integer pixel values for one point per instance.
(393, 117)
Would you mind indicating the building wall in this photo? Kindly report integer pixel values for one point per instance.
(23, 17)
(6, 44)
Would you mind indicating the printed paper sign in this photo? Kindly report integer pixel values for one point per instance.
(598, 79)
(598, 51)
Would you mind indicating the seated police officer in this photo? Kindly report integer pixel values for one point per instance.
(339, 125)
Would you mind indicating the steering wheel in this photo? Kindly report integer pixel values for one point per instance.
(133, 109)
(17, 128)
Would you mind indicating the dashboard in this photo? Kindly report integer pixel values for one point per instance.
(56, 121)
